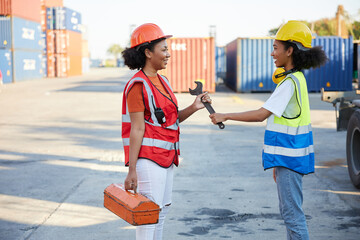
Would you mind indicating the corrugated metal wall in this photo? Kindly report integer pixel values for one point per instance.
(26, 9)
(192, 59)
(6, 65)
(337, 74)
(220, 63)
(250, 65)
(28, 65)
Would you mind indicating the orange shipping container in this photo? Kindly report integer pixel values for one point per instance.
(50, 65)
(27, 9)
(75, 65)
(43, 18)
(64, 42)
(53, 3)
(192, 59)
(50, 41)
(61, 65)
(66, 66)
(68, 42)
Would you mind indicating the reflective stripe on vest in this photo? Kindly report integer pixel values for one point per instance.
(289, 142)
(150, 142)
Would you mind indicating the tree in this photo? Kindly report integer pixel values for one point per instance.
(115, 50)
(356, 30)
(272, 32)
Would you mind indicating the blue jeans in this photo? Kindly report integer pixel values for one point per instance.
(289, 185)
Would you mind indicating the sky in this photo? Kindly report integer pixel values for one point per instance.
(110, 21)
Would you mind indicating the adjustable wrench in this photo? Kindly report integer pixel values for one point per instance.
(197, 91)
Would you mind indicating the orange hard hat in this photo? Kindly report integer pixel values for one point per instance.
(146, 33)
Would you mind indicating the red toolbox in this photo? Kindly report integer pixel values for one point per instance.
(134, 208)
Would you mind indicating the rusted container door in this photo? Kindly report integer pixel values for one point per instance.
(192, 59)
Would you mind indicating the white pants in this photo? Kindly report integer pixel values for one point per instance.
(155, 183)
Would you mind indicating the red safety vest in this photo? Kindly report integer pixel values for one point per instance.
(161, 141)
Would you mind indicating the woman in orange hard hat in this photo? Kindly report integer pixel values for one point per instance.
(288, 141)
(150, 123)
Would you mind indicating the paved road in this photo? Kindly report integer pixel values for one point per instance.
(60, 146)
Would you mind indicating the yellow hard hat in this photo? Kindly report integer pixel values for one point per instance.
(295, 31)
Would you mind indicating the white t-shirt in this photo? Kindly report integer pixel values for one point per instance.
(283, 101)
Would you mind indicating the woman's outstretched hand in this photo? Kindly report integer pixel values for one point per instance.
(217, 117)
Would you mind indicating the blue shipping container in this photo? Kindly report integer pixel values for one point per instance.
(50, 18)
(27, 65)
(5, 32)
(220, 63)
(337, 73)
(5, 65)
(250, 65)
(24, 34)
(44, 65)
(62, 18)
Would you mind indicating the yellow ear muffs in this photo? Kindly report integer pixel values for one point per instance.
(278, 75)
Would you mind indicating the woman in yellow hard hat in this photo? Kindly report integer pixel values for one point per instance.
(150, 123)
(288, 141)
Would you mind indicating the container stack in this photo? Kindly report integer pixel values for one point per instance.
(192, 59)
(249, 65)
(63, 42)
(20, 40)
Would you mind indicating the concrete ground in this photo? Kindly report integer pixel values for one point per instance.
(60, 147)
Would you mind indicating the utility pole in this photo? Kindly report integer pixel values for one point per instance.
(212, 32)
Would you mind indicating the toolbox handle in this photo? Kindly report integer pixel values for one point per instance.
(121, 186)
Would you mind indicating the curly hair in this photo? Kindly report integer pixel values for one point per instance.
(135, 57)
(312, 58)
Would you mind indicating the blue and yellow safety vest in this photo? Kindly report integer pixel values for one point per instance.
(288, 140)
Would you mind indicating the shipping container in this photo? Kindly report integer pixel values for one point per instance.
(64, 42)
(5, 32)
(44, 65)
(249, 65)
(68, 42)
(62, 18)
(192, 59)
(50, 64)
(50, 18)
(43, 17)
(27, 9)
(95, 63)
(220, 63)
(43, 42)
(6, 65)
(61, 65)
(337, 73)
(66, 66)
(27, 65)
(50, 41)
(53, 3)
(24, 34)
(74, 66)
